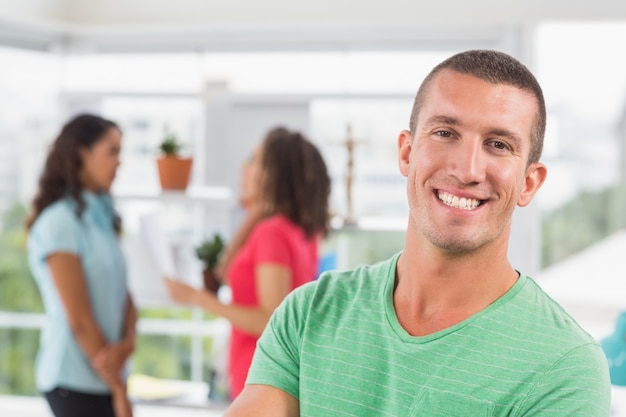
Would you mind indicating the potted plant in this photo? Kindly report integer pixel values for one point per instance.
(174, 170)
(208, 252)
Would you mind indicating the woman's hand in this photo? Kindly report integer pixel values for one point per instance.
(181, 292)
(111, 359)
(121, 404)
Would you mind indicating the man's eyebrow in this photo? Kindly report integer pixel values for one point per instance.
(440, 119)
(505, 133)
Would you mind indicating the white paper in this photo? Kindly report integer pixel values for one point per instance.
(157, 244)
(145, 281)
(149, 259)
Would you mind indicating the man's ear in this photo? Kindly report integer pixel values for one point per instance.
(405, 142)
(533, 179)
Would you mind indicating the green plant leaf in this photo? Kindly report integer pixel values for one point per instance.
(209, 251)
(170, 146)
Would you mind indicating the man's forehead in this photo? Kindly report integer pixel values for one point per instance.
(449, 76)
(455, 99)
(458, 83)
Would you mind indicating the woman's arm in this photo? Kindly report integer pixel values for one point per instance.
(67, 274)
(69, 280)
(273, 284)
(111, 358)
(130, 324)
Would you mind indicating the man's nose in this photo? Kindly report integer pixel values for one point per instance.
(468, 162)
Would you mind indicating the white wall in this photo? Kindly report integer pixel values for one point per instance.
(296, 13)
(185, 25)
(43, 11)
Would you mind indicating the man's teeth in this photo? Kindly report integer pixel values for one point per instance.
(456, 202)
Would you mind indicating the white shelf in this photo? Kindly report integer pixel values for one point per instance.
(192, 194)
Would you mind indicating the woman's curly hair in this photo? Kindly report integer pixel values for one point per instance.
(61, 172)
(295, 180)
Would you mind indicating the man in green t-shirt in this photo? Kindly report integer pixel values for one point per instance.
(447, 327)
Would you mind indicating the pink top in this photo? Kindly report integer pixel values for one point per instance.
(275, 240)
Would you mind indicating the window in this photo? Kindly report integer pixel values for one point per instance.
(585, 91)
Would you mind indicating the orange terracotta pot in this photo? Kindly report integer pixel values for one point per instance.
(174, 172)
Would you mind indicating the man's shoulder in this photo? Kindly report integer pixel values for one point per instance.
(539, 313)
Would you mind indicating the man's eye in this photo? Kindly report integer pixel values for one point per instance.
(443, 133)
(499, 145)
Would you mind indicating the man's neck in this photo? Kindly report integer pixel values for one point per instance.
(434, 290)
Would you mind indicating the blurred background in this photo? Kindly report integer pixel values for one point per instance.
(220, 73)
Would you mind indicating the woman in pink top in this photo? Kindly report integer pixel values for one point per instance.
(286, 188)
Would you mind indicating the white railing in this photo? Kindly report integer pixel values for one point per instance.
(196, 328)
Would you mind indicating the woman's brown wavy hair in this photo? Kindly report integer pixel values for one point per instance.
(60, 176)
(295, 180)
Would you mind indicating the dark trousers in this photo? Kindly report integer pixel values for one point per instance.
(67, 403)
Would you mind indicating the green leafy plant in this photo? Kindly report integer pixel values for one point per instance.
(209, 251)
(170, 146)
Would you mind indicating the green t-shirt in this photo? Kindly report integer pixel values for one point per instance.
(337, 346)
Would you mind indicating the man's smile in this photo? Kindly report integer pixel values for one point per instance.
(454, 201)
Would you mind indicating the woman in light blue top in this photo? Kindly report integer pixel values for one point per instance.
(76, 259)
